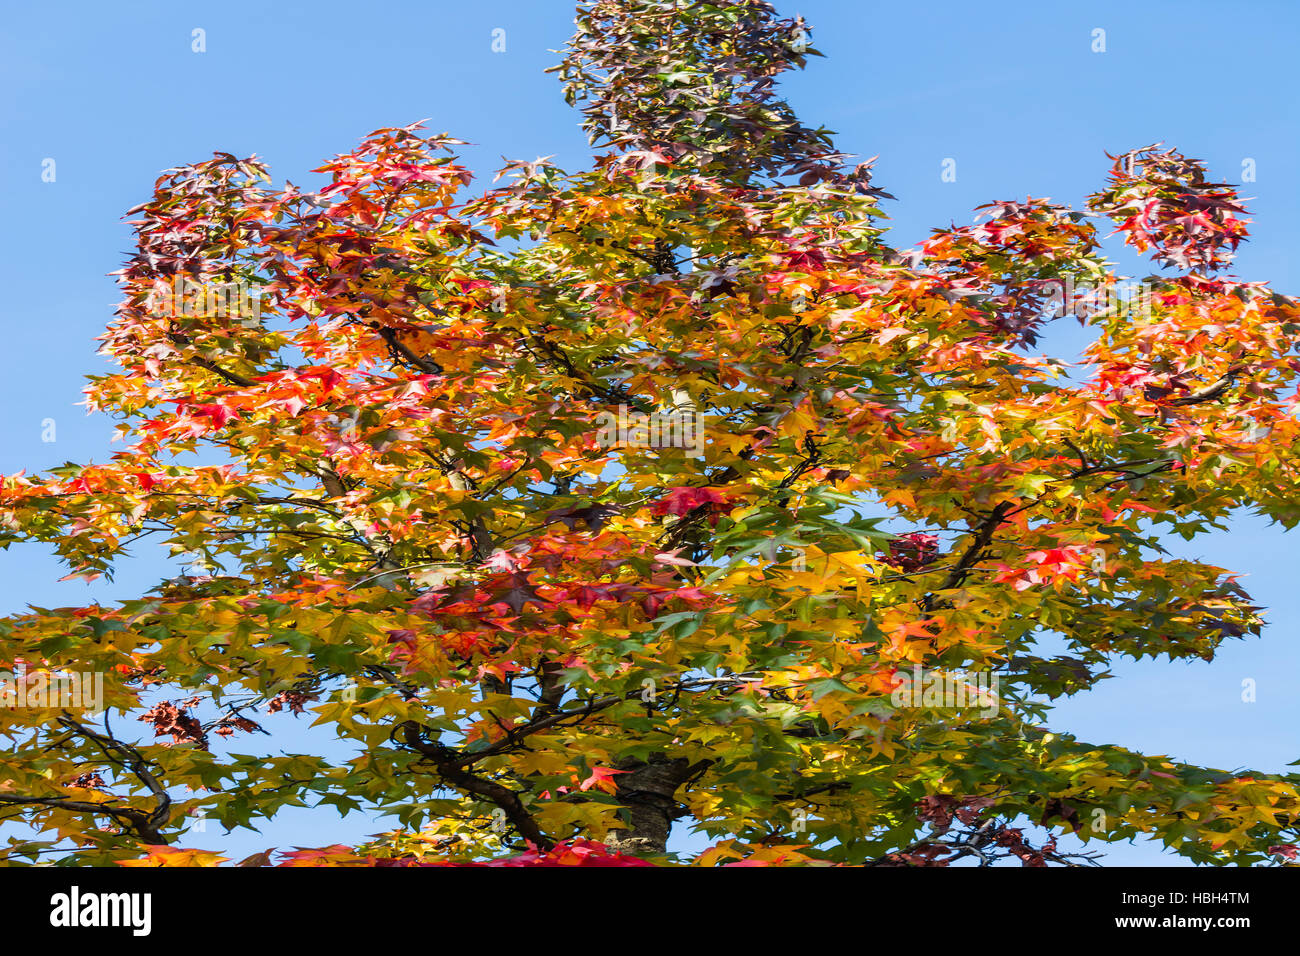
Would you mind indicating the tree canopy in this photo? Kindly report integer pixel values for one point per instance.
(593, 507)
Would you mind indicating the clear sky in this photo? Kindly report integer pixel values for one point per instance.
(1013, 92)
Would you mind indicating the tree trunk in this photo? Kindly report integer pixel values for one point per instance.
(648, 791)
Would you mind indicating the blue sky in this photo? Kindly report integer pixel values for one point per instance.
(1013, 92)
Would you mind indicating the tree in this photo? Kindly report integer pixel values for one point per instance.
(661, 494)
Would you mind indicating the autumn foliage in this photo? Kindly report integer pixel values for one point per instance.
(538, 649)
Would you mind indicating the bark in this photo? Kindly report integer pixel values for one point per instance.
(648, 791)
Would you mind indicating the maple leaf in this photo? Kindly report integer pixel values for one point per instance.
(684, 500)
(602, 778)
(593, 517)
(257, 859)
(519, 592)
(318, 856)
(175, 856)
